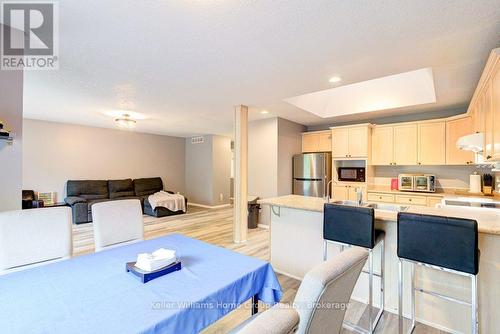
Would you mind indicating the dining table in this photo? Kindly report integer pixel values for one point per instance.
(95, 294)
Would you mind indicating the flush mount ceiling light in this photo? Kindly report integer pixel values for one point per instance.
(125, 122)
(121, 113)
(264, 112)
(335, 79)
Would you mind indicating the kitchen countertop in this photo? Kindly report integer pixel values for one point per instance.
(440, 192)
(488, 219)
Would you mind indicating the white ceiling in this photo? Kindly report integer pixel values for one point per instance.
(185, 64)
(390, 92)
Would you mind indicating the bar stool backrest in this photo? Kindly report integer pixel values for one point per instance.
(349, 224)
(441, 241)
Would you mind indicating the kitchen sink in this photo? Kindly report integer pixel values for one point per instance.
(351, 203)
(388, 207)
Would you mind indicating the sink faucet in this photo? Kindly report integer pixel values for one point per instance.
(327, 196)
(359, 195)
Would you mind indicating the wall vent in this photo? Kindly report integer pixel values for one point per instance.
(197, 140)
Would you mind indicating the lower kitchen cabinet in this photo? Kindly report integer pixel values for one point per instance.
(346, 192)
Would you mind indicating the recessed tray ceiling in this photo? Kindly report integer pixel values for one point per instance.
(394, 91)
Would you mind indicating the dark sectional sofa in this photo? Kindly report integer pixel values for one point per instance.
(82, 194)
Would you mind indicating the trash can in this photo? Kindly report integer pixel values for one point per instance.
(253, 212)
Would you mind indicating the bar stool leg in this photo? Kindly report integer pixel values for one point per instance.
(413, 297)
(474, 303)
(325, 250)
(400, 297)
(370, 290)
(382, 280)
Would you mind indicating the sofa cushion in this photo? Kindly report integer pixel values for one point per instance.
(147, 186)
(121, 188)
(88, 189)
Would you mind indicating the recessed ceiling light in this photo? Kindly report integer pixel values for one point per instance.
(264, 112)
(335, 79)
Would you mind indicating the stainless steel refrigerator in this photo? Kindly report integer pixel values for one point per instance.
(311, 174)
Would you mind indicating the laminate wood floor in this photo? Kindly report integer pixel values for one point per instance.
(215, 226)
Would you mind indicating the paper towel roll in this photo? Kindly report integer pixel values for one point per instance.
(475, 183)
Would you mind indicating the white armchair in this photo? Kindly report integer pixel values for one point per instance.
(34, 237)
(117, 223)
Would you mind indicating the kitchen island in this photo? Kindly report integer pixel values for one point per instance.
(297, 246)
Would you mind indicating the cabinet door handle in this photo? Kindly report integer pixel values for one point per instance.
(409, 199)
(488, 157)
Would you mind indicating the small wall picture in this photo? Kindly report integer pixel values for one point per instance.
(48, 198)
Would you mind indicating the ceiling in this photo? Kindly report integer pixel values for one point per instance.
(186, 64)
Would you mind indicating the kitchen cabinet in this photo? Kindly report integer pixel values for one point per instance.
(380, 197)
(325, 141)
(351, 142)
(347, 192)
(340, 143)
(454, 130)
(411, 200)
(316, 142)
(495, 106)
(383, 146)
(402, 198)
(394, 145)
(487, 110)
(431, 143)
(405, 144)
(433, 201)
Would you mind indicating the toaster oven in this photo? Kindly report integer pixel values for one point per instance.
(417, 182)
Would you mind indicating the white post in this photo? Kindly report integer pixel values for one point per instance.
(240, 225)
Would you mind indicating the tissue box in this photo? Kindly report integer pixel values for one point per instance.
(146, 276)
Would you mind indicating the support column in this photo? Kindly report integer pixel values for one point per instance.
(240, 224)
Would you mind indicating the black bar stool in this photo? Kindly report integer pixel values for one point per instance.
(347, 225)
(441, 243)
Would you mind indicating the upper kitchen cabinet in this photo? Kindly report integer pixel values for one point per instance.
(455, 129)
(485, 107)
(383, 146)
(351, 141)
(320, 141)
(495, 106)
(431, 143)
(405, 144)
(394, 145)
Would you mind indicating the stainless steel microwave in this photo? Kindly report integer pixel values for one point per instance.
(352, 174)
(417, 182)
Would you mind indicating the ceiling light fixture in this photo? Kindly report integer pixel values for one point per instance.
(125, 122)
(264, 112)
(335, 79)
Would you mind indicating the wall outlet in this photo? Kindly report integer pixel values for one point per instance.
(221, 197)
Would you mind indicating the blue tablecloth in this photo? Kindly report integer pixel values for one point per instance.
(94, 294)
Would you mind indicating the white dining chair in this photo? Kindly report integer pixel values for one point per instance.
(328, 286)
(117, 223)
(34, 237)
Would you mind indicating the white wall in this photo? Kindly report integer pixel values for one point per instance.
(271, 144)
(208, 170)
(11, 112)
(263, 157)
(55, 152)
(289, 144)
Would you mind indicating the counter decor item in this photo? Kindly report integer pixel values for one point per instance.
(488, 184)
(394, 184)
(475, 184)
